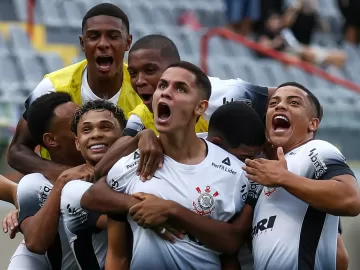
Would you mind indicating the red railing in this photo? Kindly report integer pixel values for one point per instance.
(227, 34)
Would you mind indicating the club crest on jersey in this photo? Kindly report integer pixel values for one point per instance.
(268, 191)
(205, 202)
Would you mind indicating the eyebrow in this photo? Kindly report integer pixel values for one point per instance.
(101, 122)
(289, 97)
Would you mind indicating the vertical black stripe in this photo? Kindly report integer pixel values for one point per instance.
(309, 238)
(84, 251)
(54, 253)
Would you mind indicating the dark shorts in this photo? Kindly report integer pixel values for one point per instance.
(237, 10)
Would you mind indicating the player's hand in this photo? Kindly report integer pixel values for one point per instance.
(10, 223)
(168, 233)
(267, 172)
(151, 212)
(83, 172)
(151, 154)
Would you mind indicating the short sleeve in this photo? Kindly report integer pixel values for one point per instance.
(324, 161)
(75, 217)
(122, 173)
(133, 126)
(226, 91)
(44, 87)
(32, 192)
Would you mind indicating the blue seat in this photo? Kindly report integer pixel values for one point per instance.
(19, 41)
(31, 67)
(51, 62)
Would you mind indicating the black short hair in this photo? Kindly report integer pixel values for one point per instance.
(166, 46)
(237, 123)
(41, 113)
(202, 80)
(98, 105)
(108, 10)
(312, 98)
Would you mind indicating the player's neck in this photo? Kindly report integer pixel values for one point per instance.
(184, 147)
(105, 88)
(65, 160)
(297, 144)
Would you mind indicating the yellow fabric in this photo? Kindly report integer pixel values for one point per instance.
(147, 119)
(69, 80)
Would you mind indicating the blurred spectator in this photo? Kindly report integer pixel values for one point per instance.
(266, 6)
(301, 17)
(241, 15)
(279, 38)
(351, 11)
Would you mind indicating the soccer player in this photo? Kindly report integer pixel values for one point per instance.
(49, 119)
(148, 58)
(103, 75)
(296, 218)
(97, 125)
(197, 174)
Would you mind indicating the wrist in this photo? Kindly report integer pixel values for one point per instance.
(284, 178)
(173, 209)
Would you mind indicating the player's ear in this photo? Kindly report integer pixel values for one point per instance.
(314, 124)
(215, 140)
(81, 40)
(49, 140)
(201, 107)
(128, 42)
(77, 143)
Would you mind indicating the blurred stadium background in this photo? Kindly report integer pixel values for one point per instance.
(54, 44)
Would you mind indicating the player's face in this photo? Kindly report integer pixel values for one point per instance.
(104, 42)
(97, 130)
(62, 137)
(146, 67)
(289, 118)
(243, 152)
(177, 103)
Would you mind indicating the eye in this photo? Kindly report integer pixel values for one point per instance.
(181, 89)
(150, 71)
(272, 103)
(86, 130)
(132, 73)
(293, 102)
(92, 37)
(114, 36)
(162, 86)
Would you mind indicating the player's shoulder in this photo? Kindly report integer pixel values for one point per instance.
(33, 181)
(223, 159)
(217, 82)
(75, 189)
(125, 165)
(323, 149)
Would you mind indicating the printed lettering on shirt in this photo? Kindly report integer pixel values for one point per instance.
(318, 163)
(43, 194)
(80, 213)
(254, 190)
(226, 161)
(204, 205)
(229, 100)
(264, 225)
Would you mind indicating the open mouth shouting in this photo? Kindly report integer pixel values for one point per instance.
(280, 123)
(164, 112)
(104, 62)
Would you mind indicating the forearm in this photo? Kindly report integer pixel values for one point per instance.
(330, 196)
(45, 220)
(122, 147)
(26, 161)
(115, 262)
(218, 235)
(8, 190)
(102, 199)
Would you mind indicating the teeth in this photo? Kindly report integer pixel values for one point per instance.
(281, 117)
(97, 146)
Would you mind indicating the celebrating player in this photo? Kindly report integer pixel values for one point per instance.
(104, 40)
(295, 223)
(97, 125)
(148, 58)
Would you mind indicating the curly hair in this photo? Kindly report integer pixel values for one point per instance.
(98, 105)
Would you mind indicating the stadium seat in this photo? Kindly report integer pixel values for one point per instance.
(19, 41)
(73, 13)
(51, 13)
(30, 66)
(11, 77)
(51, 62)
(3, 45)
